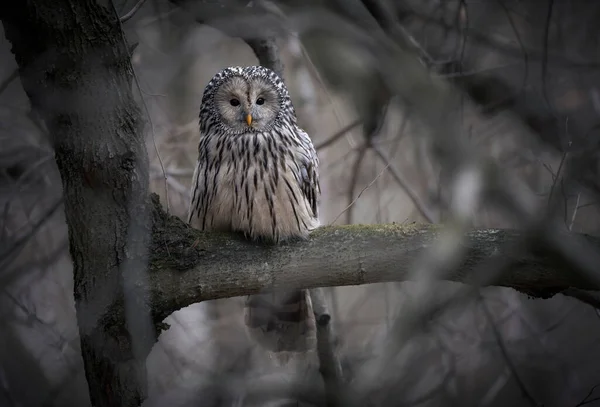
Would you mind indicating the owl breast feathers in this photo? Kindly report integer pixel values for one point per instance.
(257, 173)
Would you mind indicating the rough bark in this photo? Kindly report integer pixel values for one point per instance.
(188, 266)
(74, 66)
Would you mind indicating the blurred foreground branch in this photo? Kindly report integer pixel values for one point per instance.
(101, 156)
(329, 361)
(188, 266)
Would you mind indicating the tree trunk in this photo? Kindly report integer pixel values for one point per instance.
(75, 68)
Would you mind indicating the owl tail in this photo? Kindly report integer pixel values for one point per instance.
(281, 322)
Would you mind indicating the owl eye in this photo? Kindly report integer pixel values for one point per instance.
(234, 102)
(260, 101)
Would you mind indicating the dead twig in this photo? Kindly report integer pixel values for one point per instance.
(127, 16)
(332, 139)
(419, 205)
(587, 399)
(509, 363)
(361, 192)
(4, 84)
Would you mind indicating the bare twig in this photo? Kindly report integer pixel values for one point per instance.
(389, 23)
(507, 48)
(420, 206)
(131, 12)
(354, 180)
(339, 134)
(587, 399)
(574, 212)
(4, 84)
(545, 57)
(462, 74)
(360, 193)
(509, 363)
(557, 176)
(146, 110)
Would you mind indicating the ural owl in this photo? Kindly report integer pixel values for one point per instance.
(257, 173)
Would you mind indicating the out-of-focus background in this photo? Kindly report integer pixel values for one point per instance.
(527, 84)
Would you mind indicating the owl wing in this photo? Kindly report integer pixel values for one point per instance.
(309, 172)
(199, 193)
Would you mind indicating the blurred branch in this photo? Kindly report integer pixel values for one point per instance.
(355, 171)
(332, 139)
(330, 366)
(266, 51)
(509, 363)
(133, 10)
(507, 48)
(4, 84)
(189, 266)
(385, 16)
(103, 165)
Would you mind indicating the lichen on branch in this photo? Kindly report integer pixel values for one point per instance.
(189, 266)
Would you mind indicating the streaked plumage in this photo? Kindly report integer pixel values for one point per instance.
(260, 179)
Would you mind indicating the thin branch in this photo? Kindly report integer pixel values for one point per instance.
(131, 12)
(462, 74)
(386, 19)
(586, 399)
(509, 363)
(523, 51)
(419, 205)
(557, 176)
(332, 139)
(507, 48)
(574, 212)
(146, 110)
(4, 84)
(353, 181)
(545, 56)
(360, 193)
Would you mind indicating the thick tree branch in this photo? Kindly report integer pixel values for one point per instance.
(189, 266)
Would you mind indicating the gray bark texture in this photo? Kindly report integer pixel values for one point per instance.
(188, 266)
(75, 67)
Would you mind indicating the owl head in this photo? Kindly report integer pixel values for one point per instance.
(243, 100)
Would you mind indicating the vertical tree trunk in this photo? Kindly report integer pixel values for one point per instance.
(75, 68)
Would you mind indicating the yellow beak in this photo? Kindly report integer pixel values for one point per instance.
(249, 119)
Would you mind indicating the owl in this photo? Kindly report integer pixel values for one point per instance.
(257, 173)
